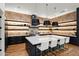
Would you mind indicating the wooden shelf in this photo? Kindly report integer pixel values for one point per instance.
(65, 28)
(70, 33)
(17, 27)
(16, 23)
(10, 33)
(68, 23)
(16, 20)
(63, 31)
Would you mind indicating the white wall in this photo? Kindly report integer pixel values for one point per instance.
(2, 33)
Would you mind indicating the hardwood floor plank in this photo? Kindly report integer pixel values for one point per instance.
(19, 50)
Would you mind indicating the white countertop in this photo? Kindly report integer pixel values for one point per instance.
(39, 39)
(33, 40)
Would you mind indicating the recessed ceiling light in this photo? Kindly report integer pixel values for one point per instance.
(65, 9)
(18, 7)
(46, 4)
(55, 8)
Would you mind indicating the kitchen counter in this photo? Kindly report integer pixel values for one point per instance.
(39, 39)
(33, 41)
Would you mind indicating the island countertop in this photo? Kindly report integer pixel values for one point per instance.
(39, 39)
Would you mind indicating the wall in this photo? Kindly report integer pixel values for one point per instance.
(67, 24)
(2, 25)
(15, 23)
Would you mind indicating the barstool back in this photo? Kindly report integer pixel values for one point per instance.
(53, 42)
(61, 41)
(44, 46)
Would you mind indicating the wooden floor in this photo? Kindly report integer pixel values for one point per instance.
(19, 50)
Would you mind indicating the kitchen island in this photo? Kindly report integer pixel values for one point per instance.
(33, 41)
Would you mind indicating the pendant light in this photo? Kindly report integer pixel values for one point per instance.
(55, 24)
(46, 21)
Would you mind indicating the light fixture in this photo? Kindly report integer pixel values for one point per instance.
(18, 7)
(64, 10)
(55, 24)
(46, 21)
(46, 10)
(55, 8)
(1, 12)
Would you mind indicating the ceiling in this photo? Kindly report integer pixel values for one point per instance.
(42, 9)
(1, 8)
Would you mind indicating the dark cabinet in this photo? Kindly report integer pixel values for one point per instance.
(75, 40)
(78, 22)
(14, 40)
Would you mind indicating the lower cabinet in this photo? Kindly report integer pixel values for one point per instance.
(74, 40)
(14, 40)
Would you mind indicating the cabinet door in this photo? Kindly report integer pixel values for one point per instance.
(78, 22)
(78, 25)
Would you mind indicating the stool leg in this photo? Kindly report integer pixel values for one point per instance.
(41, 53)
(52, 49)
(66, 46)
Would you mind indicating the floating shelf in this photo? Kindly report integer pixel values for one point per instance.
(17, 23)
(68, 23)
(11, 33)
(17, 27)
(65, 28)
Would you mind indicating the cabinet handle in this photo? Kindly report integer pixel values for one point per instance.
(0, 49)
(0, 27)
(0, 38)
(0, 17)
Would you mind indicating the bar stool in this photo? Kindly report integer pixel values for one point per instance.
(67, 40)
(60, 45)
(43, 47)
(61, 42)
(53, 44)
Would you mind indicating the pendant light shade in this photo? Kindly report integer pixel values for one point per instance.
(35, 21)
(55, 24)
(46, 22)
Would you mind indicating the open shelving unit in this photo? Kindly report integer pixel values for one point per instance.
(14, 28)
(16, 31)
(44, 30)
(66, 29)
